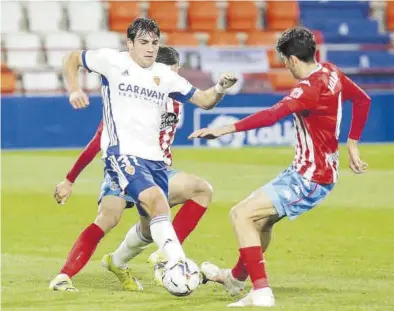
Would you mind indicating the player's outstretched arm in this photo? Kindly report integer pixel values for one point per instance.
(361, 103)
(259, 119)
(71, 63)
(63, 190)
(208, 99)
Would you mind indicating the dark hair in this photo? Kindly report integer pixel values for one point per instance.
(299, 42)
(167, 55)
(141, 26)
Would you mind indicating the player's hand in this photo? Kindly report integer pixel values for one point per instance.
(79, 99)
(63, 191)
(355, 162)
(227, 80)
(212, 133)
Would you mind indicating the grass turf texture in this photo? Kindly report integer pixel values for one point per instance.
(337, 257)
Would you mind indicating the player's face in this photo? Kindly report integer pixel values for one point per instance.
(144, 49)
(292, 63)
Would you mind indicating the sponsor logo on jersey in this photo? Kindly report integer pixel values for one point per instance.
(168, 119)
(129, 89)
(156, 79)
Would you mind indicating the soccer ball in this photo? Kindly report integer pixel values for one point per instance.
(181, 278)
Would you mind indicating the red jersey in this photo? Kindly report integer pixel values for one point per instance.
(316, 104)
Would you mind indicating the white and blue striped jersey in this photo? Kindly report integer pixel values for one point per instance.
(134, 100)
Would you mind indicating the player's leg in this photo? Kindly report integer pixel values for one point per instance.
(264, 226)
(195, 194)
(109, 213)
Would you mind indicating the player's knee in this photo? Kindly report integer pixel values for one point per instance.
(203, 192)
(107, 219)
(237, 213)
(154, 202)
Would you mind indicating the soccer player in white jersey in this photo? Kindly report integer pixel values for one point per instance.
(135, 90)
(193, 192)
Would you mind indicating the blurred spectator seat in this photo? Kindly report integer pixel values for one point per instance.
(23, 50)
(8, 80)
(121, 14)
(103, 39)
(165, 13)
(203, 16)
(182, 39)
(91, 82)
(362, 59)
(281, 80)
(11, 17)
(282, 14)
(338, 30)
(242, 15)
(40, 82)
(259, 38)
(44, 16)
(85, 16)
(223, 38)
(390, 15)
(58, 44)
(347, 10)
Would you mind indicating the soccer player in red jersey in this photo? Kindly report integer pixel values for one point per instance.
(316, 104)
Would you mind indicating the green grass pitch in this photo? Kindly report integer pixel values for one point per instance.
(337, 257)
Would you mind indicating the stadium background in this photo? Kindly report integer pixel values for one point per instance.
(313, 264)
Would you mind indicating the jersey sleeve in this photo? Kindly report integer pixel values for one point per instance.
(87, 155)
(361, 103)
(98, 61)
(302, 97)
(181, 89)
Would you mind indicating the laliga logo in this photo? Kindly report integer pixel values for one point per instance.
(235, 140)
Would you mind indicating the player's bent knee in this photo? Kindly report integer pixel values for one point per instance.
(154, 202)
(237, 213)
(202, 192)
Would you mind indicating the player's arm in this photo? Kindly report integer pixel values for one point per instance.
(361, 103)
(208, 99)
(183, 91)
(93, 60)
(298, 100)
(64, 189)
(71, 63)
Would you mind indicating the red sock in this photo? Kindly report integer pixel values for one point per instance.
(82, 250)
(239, 271)
(252, 257)
(187, 219)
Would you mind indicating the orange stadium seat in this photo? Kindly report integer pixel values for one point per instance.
(165, 13)
(182, 39)
(390, 15)
(121, 14)
(202, 16)
(281, 80)
(258, 38)
(242, 15)
(223, 38)
(8, 80)
(282, 14)
(274, 59)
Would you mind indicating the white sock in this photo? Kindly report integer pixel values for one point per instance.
(133, 244)
(164, 235)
